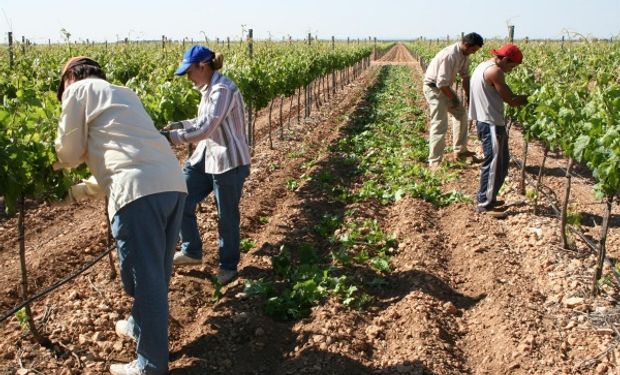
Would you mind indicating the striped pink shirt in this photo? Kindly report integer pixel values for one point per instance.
(219, 128)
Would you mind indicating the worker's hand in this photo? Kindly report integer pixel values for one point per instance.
(173, 126)
(166, 134)
(520, 100)
(57, 166)
(85, 190)
(454, 102)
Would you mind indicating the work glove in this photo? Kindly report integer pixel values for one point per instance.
(175, 125)
(455, 102)
(166, 133)
(85, 190)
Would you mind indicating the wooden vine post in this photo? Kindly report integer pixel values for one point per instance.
(603, 239)
(522, 183)
(269, 124)
(333, 71)
(374, 50)
(250, 117)
(539, 179)
(308, 89)
(42, 340)
(10, 49)
(564, 214)
(281, 121)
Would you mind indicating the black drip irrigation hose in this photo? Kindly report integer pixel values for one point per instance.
(55, 286)
(594, 249)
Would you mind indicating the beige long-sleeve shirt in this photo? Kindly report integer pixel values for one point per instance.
(445, 65)
(107, 127)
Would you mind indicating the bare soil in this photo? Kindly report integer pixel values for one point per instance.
(468, 294)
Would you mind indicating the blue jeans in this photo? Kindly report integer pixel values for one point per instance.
(494, 168)
(227, 188)
(146, 231)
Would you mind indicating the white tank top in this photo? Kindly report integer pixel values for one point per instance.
(486, 105)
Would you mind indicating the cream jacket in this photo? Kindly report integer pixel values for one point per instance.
(107, 127)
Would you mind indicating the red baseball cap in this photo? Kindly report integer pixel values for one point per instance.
(510, 51)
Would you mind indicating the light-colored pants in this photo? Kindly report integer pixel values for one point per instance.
(439, 106)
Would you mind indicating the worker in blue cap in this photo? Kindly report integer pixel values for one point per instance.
(220, 163)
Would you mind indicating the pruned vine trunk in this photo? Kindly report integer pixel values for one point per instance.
(42, 340)
(539, 180)
(522, 183)
(602, 248)
(563, 234)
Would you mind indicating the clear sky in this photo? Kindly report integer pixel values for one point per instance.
(112, 20)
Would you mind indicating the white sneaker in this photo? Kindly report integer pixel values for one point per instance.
(182, 259)
(226, 276)
(122, 329)
(126, 369)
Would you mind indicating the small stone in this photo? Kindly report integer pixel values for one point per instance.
(573, 302)
(259, 332)
(113, 316)
(318, 338)
(450, 308)
(238, 318)
(601, 369)
(74, 295)
(118, 346)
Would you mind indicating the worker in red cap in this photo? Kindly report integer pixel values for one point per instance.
(489, 92)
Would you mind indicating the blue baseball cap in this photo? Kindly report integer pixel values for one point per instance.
(192, 55)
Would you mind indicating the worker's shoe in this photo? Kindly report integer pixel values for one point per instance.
(182, 259)
(126, 369)
(226, 276)
(123, 329)
(495, 212)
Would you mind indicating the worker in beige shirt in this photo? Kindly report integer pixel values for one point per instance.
(438, 79)
(107, 127)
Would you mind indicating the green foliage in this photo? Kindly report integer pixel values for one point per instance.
(30, 112)
(246, 245)
(574, 217)
(304, 283)
(22, 318)
(385, 143)
(217, 289)
(327, 225)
